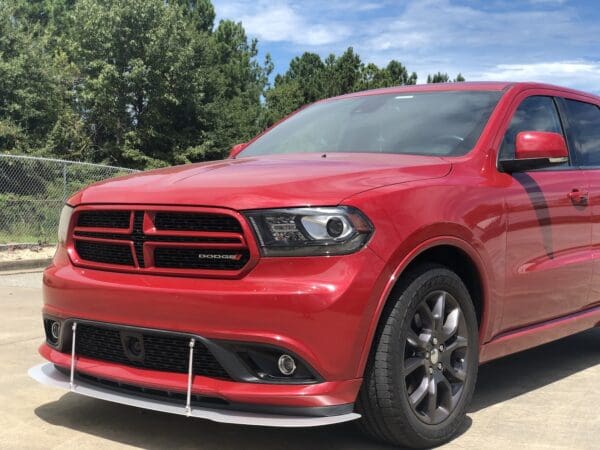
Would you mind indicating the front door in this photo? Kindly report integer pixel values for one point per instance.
(548, 245)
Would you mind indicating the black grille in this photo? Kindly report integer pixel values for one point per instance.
(176, 221)
(104, 219)
(138, 237)
(104, 252)
(159, 246)
(163, 351)
(176, 398)
(197, 258)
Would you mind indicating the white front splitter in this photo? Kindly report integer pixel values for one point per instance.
(47, 374)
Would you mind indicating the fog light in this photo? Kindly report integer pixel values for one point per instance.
(55, 330)
(287, 365)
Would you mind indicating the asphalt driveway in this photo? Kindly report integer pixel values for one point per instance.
(545, 398)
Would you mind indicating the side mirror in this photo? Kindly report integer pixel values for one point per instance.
(237, 149)
(536, 150)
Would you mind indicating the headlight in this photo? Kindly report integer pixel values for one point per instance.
(63, 224)
(310, 231)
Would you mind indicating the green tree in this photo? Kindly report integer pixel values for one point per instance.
(343, 73)
(33, 92)
(304, 82)
(308, 71)
(232, 98)
(200, 12)
(147, 83)
(309, 79)
(157, 86)
(394, 74)
(398, 74)
(444, 78)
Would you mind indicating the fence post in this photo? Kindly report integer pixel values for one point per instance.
(64, 181)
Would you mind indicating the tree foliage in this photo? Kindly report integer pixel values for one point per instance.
(309, 78)
(146, 83)
(444, 78)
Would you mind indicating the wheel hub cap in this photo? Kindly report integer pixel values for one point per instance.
(435, 356)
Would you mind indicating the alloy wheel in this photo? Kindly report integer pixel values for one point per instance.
(435, 357)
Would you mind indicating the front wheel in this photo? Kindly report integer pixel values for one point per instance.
(423, 367)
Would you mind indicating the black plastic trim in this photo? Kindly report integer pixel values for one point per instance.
(222, 350)
(215, 402)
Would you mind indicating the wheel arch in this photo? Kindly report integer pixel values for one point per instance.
(457, 255)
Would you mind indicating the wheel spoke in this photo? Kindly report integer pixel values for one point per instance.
(451, 325)
(419, 394)
(417, 341)
(459, 342)
(426, 316)
(432, 397)
(457, 373)
(412, 364)
(451, 399)
(438, 311)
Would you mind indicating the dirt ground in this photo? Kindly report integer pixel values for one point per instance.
(544, 398)
(36, 252)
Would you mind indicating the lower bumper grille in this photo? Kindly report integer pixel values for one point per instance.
(170, 396)
(155, 351)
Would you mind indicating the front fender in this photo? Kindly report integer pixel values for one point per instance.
(412, 219)
(490, 310)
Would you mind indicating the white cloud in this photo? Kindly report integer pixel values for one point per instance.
(428, 26)
(284, 22)
(552, 2)
(584, 75)
(547, 40)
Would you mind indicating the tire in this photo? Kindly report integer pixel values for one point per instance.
(404, 399)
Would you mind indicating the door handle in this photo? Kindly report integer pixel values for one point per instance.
(578, 197)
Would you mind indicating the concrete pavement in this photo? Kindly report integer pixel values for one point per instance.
(545, 398)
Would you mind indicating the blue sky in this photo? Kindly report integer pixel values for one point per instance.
(555, 41)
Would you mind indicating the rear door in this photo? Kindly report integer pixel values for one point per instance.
(548, 245)
(582, 125)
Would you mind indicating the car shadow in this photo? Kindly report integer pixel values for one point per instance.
(498, 381)
(527, 371)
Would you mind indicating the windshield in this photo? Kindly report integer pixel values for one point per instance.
(433, 123)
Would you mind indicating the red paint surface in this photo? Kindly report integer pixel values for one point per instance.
(540, 144)
(536, 252)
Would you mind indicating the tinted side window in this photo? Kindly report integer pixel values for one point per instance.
(536, 113)
(584, 131)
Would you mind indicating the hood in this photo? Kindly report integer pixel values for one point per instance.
(266, 181)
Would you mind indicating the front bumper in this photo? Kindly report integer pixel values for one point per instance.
(47, 374)
(319, 309)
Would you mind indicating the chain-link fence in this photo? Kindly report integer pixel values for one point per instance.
(33, 190)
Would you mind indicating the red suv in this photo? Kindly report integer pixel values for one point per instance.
(358, 260)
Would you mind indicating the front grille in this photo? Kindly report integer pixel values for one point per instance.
(105, 253)
(162, 351)
(181, 221)
(161, 241)
(104, 219)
